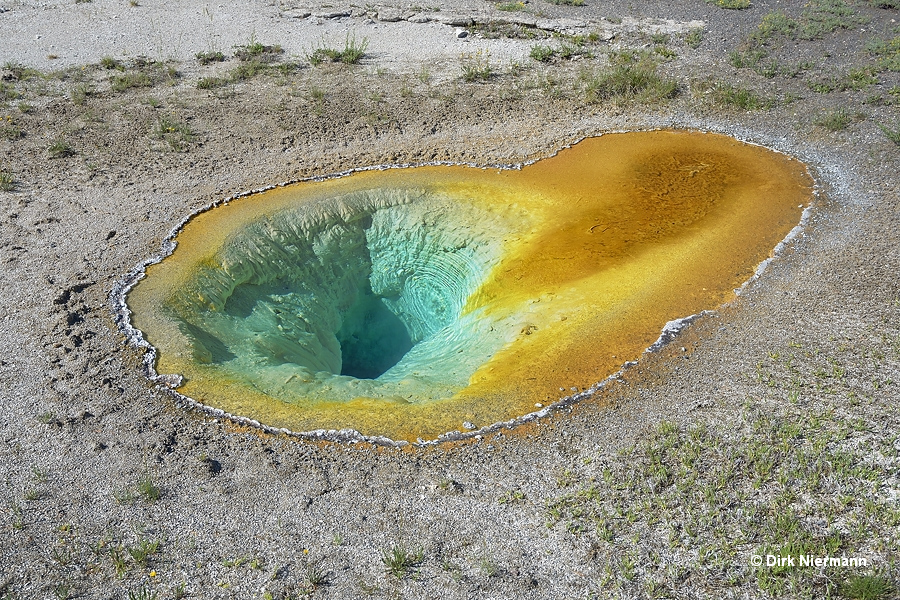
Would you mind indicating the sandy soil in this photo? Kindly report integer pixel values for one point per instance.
(96, 461)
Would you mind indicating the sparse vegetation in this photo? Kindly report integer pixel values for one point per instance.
(252, 52)
(142, 593)
(835, 120)
(738, 97)
(177, 135)
(127, 81)
(142, 552)
(631, 76)
(731, 4)
(825, 16)
(694, 38)
(400, 562)
(511, 6)
(109, 63)
(867, 587)
(892, 134)
(7, 181)
(541, 53)
(353, 52)
(60, 148)
(476, 66)
(206, 58)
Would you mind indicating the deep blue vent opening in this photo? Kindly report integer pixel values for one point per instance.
(372, 338)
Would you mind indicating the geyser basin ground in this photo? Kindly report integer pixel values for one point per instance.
(403, 303)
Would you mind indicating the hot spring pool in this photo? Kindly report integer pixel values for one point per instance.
(405, 302)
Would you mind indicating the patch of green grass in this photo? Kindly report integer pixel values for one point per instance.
(7, 181)
(826, 16)
(892, 134)
(7, 92)
(208, 83)
(854, 79)
(142, 593)
(542, 53)
(665, 52)
(146, 489)
(630, 77)
(694, 38)
(884, 3)
(726, 94)
(511, 6)
(109, 63)
(142, 552)
(400, 562)
(247, 70)
(887, 53)
(60, 148)
(205, 58)
(19, 72)
(748, 58)
(80, 93)
(353, 52)
(127, 81)
(254, 51)
(10, 130)
(867, 587)
(731, 4)
(476, 66)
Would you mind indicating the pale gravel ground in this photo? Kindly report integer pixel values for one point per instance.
(276, 499)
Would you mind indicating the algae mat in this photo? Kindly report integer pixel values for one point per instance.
(406, 302)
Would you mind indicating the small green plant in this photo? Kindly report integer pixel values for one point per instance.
(315, 576)
(731, 4)
(60, 148)
(80, 94)
(254, 51)
(738, 97)
(694, 38)
(399, 562)
(476, 66)
(542, 53)
(7, 91)
(177, 135)
(353, 52)
(835, 120)
(141, 553)
(630, 77)
(10, 130)
(511, 6)
(825, 16)
(867, 587)
(488, 567)
(891, 134)
(109, 63)
(142, 593)
(7, 181)
(117, 558)
(62, 591)
(205, 58)
(127, 81)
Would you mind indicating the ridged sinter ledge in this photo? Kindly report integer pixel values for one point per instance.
(403, 303)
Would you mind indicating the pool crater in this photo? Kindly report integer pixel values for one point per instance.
(404, 303)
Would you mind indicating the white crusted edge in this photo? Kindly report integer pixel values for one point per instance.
(168, 382)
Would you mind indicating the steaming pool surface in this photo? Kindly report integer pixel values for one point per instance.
(405, 302)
